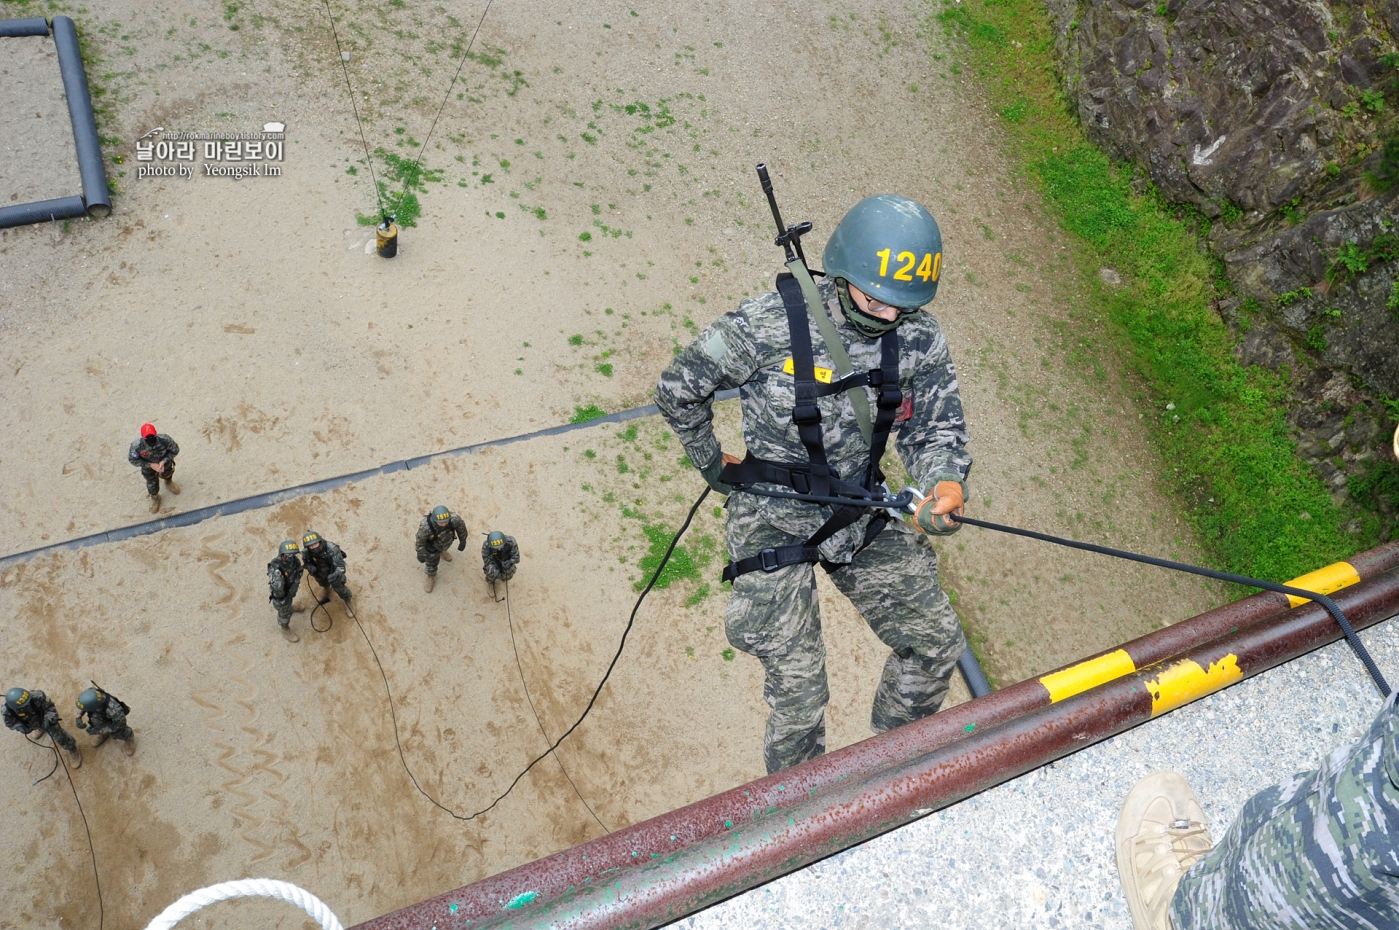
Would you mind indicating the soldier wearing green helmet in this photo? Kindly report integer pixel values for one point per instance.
(826, 372)
(283, 581)
(106, 717)
(26, 711)
(434, 541)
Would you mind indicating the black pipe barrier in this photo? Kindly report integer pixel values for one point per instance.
(973, 675)
(70, 64)
(272, 498)
(42, 211)
(17, 28)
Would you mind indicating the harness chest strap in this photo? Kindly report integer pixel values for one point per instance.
(818, 477)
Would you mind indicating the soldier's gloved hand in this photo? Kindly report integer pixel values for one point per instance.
(932, 516)
(711, 472)
(461, 546)
(422, 556)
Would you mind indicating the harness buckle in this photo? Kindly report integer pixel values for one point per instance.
(767, 560)
(808, 414)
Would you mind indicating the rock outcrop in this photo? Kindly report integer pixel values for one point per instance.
(1276, 119)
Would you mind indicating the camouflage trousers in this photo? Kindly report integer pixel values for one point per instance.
(1320, 852)
(775, 617)
(116, 728)
(432, 558)
(153, 479)
(335, 583)
(60, 736)
(284, 609)
(495, 573)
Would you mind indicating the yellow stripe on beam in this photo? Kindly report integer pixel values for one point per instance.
(1323, 581)
(1184, 681)
(1079, 678)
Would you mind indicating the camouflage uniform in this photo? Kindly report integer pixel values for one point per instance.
(893, 582)
(109, 719)
(327, 566)
(432, 542)
(1320, 852)
(500, 564)
(283, 581)
(39, 714)
(142, 455)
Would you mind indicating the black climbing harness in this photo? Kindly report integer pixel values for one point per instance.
(817, 481)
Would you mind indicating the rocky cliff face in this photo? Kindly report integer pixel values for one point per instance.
(1279, 121)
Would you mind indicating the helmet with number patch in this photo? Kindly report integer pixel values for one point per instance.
(441, 516)
(16, 698)
(496, 539)
(288, 547)
(890, 247)
(312, 540)
(91, 700)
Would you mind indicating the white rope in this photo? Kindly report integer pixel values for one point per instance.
(246, 888)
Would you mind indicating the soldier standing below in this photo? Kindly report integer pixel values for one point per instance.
(27, 711)
(325, 562)
(106, 716)
(434, 541)
(810, 362)
(283, 581)
(500, 555)
(154, 453)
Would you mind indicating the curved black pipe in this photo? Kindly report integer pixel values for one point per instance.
(15, 28)
(973, 675)
(70, 64)
(42, 211)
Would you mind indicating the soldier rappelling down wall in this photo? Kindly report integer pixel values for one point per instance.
(434, 541)
(27, 711)
(808, 427)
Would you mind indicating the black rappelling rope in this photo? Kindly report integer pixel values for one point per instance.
(1361, 652)
(448, 93)
(35, 742)
(345, 67)
(92, 851)
(593, 700)
(510, 619)
(319, 605)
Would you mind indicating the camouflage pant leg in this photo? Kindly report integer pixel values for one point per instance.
(775, 618)
(336, 584)
(284, 610)
(61, 737)
(433, 559)
(894, 585)
(152, 480)
(495, 573)
(116, 729)
(1320, 852)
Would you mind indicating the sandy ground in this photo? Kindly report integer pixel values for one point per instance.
(37, 158)
(246, 319)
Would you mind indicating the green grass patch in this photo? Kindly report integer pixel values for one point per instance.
(1226, 438)
(686, 562)
(584, 414)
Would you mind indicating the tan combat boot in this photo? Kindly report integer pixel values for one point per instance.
(446, 555)
(75, 756)
(128, 746)
(155, 502)
(428, 581)
(289, 635)
(1160, 833)
(98, 740)
(171, 486)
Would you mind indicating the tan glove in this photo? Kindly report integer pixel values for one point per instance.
(932, 515)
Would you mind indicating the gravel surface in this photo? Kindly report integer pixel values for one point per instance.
(1037, 851)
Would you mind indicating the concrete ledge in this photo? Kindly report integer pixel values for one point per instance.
(1037, 851)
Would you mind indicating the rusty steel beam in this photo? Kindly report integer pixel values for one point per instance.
(663, 836)
(750, 854)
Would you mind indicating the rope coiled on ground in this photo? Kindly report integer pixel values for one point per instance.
(247, 888)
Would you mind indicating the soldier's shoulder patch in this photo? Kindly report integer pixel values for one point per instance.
(716, 347)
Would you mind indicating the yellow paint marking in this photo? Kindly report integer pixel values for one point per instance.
(1323, 581)
(1185, 681)
(1077, 679)
(823, 375)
